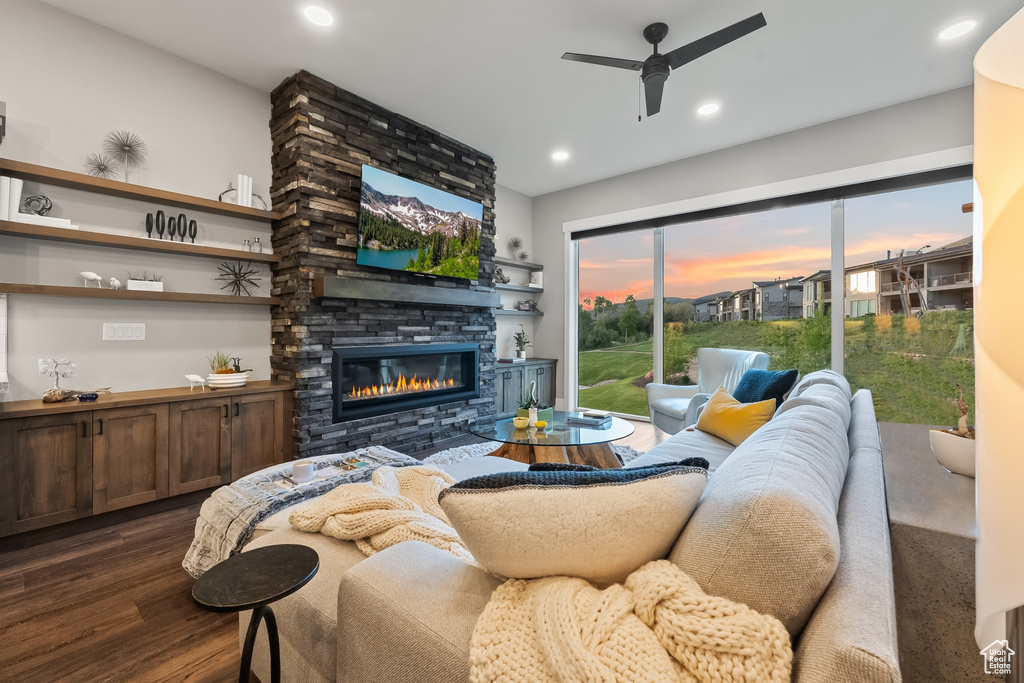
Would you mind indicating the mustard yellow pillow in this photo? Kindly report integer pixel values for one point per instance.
(728, 419)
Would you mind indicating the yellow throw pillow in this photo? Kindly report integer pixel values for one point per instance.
(728, 419)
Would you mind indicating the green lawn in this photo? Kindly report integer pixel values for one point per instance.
(910, 366)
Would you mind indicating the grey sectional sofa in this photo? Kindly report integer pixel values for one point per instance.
(792, 522)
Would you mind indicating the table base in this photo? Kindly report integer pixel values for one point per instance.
(597, 455)
(261, 613)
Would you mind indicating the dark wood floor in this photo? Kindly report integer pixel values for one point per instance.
(114, 604)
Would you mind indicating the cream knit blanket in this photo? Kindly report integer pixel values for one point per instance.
(399, 505)
(659, 626)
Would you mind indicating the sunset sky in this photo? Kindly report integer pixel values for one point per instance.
(730, 253)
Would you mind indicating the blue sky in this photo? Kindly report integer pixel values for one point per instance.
(388, 183)
(727, 254)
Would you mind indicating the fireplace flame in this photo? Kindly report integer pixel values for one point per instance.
(401, 386)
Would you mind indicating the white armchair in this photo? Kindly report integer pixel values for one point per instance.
(673, 408)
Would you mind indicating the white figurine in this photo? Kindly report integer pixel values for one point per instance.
(193, 380)
(89, 276)
(115, 283)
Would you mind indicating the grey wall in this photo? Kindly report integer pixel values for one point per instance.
(930, 124)
(67, 83)
(513, 217)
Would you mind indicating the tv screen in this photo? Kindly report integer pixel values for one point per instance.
(405, 225)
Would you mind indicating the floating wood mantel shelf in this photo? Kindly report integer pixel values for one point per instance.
(519, 288)
(45, 232)
(506, 311)
(501, 261)
(116, 188)
(124, 294)
(338, 287)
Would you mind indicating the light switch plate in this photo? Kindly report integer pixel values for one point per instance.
(124, 331)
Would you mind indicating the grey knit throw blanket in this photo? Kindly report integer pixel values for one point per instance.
(229, 516)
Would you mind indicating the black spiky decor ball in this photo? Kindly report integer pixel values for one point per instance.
(128, 148)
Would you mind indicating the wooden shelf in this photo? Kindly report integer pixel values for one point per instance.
(116, 188)
(519, 288)
(500, 261)
(505, 311)
(44, 232)
(126, 295)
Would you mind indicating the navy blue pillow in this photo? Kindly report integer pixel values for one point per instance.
(761, 385)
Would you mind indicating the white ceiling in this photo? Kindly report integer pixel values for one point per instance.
(489, 73)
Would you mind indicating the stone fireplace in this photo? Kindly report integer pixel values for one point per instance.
(321, 137)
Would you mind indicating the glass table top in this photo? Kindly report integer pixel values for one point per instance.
(555, 433)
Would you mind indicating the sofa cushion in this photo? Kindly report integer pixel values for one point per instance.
(826, 396)
(761, 385)
(729, 419)
(689, 443)
(599, 525)
(765, 531)
(821, 377)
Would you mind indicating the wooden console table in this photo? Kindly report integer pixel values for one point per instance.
(933, 528)
(66, 461)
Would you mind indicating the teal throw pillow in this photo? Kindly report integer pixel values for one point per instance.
(761, 385)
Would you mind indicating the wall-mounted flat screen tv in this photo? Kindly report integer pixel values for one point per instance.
(405, 225)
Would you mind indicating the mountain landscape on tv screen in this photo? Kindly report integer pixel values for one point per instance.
(406, 233)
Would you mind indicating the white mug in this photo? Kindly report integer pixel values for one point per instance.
(302, 470)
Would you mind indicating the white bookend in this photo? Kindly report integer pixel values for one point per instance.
(14, 206)
(33, 219)
(5, 198)
(238, 189)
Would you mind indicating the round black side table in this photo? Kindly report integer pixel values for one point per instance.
(253, 580)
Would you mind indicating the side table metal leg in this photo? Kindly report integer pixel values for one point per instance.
(263, 612)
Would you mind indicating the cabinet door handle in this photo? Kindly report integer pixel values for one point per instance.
(540, 371)
(508, 374)
(236, 409)
(101, 427)
(226, 411)
(84, 433)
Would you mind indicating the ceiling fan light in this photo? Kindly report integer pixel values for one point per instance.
(958, 29)
(318, 15)
(708, 109)
(560, 155)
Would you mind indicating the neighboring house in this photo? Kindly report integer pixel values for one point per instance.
(779, 299)
(705, 308)
(743, 305)
(817, 291)
(723, 308)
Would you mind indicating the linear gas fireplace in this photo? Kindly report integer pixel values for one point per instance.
(374, 380)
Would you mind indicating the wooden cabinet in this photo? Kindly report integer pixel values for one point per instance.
(199, 444)
(257, 431)
(512, 383)
(47, 464)
(129, 457)
(64, 461)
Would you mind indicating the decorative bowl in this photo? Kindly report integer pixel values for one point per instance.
(227, 380)
(953, 452)
(520, 422)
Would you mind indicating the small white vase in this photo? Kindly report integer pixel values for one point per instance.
(521, 354)
(532, 418)
(953, 452)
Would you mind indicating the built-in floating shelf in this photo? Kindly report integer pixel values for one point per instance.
(505, 311)
(129, 295)
(338, 287)
(519, 288)
(116, 188)
(44, 232)
(501, 261)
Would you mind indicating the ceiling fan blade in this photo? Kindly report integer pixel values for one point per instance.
(713, 41)
(653, 88)
(630, 64)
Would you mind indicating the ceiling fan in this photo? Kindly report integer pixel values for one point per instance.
(655, 70)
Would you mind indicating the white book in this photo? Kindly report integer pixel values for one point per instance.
(239, 182)
(5, 198)
(33, 219)
(17, 185)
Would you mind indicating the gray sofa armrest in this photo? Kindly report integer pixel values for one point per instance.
(407, 614)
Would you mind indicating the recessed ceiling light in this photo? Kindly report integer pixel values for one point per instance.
(318, 15)
(560, 156)
(707, 109)
(958, 29)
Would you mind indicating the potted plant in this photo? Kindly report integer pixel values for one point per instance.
(522, 341)
(531, 408)
(226, 371)
(145, 282)
(954, 448)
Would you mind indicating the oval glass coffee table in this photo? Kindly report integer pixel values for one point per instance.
(557, 442)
